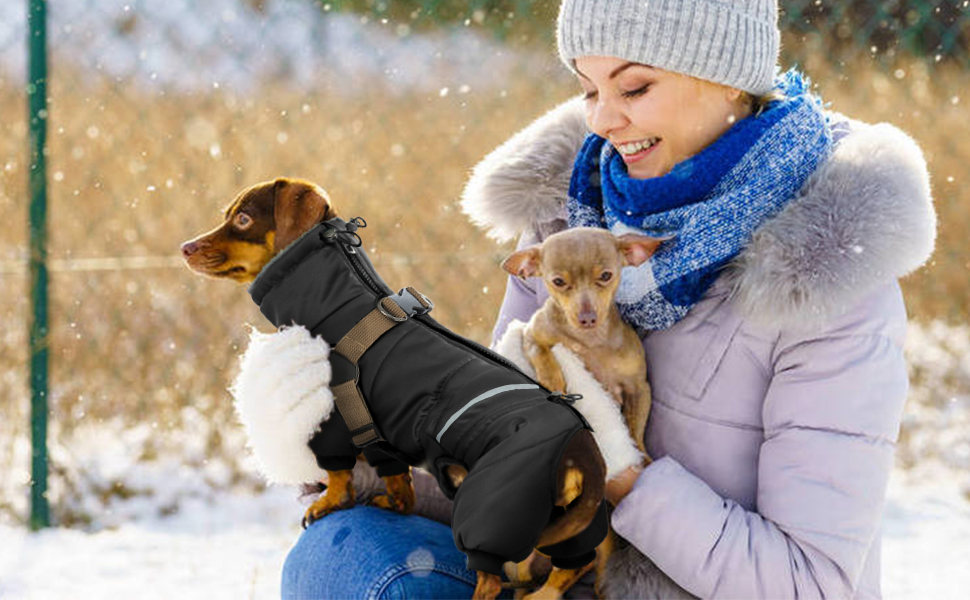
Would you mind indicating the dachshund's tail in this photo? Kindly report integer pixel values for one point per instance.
(581, 481)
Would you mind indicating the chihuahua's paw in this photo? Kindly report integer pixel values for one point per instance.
(282, 394)
(552, 380)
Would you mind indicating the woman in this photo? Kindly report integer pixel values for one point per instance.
(772, 321)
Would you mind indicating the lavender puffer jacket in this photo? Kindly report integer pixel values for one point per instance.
(777, 400)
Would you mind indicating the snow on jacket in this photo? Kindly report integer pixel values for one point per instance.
(777, 400)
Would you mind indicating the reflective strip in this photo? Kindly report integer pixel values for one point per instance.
(488, 394)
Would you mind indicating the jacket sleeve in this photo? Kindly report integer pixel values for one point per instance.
(831, 417)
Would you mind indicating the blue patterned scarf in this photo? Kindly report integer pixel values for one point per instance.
(711, 203)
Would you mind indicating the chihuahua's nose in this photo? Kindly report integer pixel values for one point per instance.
(587, 317)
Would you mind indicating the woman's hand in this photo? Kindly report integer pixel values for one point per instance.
(621, 485)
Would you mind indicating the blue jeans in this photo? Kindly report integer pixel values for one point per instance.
(367, 552)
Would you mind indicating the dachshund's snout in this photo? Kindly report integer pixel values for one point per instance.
(191, 247)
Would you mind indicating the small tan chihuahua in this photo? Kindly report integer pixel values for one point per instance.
(581, 269)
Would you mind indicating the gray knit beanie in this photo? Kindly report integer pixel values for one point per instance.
(734, 42)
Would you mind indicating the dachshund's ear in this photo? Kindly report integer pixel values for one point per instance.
(299, 206)
(524, 263)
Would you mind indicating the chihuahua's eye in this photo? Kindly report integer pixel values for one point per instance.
(242, 220)
(558, 282)
(606, 276)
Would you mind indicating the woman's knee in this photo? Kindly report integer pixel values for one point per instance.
(367, 552)
(437, 580)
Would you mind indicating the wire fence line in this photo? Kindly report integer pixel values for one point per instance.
(135, 263)
(160, 112)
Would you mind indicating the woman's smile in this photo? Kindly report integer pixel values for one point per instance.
(632, 152)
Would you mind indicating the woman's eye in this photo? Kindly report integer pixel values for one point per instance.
(637, 92)
(589, 95)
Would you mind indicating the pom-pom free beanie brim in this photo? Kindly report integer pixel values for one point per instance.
(732, 42)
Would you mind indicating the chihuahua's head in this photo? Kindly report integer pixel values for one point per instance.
(261, 221)
(581, 269)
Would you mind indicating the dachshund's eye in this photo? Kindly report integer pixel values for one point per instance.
(606, 276)
(559, 282)
(242, 221)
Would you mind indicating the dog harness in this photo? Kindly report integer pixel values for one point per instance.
(410, 392)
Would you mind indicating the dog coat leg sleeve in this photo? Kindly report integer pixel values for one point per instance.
(580, 549)
(385, 464)
(331, 445)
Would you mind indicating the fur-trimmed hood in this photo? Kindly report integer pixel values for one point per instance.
(864, 217)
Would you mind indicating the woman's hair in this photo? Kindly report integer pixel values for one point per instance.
(759, 102)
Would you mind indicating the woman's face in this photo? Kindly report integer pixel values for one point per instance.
(655, 118)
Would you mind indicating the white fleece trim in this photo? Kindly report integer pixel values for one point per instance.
(510, 346)
(597, 405)
(282, 394)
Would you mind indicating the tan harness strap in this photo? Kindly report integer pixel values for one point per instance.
(359, 339)
(350, 402)
(354, 411)
(424, 301)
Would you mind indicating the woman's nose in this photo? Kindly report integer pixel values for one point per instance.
(605, 117)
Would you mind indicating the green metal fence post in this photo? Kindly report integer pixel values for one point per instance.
(37, 115)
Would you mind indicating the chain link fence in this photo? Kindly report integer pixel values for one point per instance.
(161, 111)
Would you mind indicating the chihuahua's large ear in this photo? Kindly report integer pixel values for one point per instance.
(524, 263)
(638, 248)
(299, 206)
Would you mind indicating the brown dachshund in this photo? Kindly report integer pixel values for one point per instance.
(261, 221)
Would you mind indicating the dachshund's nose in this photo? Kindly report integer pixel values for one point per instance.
(189, 248)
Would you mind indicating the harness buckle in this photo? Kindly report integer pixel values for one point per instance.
(409, 303)
(363, 429)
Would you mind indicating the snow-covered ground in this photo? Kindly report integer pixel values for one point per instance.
(234, 548)
(926, 539)
(230, 548)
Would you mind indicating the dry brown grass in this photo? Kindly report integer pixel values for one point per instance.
(135, 173)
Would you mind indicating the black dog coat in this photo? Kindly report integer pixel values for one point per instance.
(436, 399)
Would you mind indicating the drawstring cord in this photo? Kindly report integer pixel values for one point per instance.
(348, 236)
(569, 400)
(559, 398)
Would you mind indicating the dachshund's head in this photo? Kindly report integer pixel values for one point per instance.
(261, 221)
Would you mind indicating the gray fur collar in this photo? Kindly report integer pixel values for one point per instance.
(863, 218)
